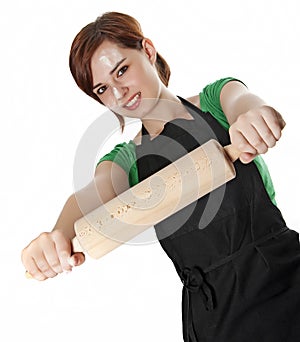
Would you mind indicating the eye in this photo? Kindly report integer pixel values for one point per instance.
(122, 71)
(101, 90)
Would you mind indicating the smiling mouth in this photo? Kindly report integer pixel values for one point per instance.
(134, 101)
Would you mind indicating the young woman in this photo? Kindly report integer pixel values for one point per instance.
(240, 265)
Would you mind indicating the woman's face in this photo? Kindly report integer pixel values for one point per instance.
(126, 80)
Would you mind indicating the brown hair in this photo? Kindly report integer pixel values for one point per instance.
(118, 28)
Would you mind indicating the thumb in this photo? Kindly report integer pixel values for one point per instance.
(280, 119)
(247, 157)
(76, 259)
(282, 123)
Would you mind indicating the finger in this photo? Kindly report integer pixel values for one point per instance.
(282, 123)
(265, 135)
(34, 271)
(77, 259)
(254, 138)
(241, 143)
(50, 254)
(247, 157)
(274, 122)
(44, 267)
(63, 249)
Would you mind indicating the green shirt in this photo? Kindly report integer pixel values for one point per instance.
(125, 156)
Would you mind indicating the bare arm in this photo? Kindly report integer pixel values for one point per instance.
(50, 252)
(254, 126)
(110, 180)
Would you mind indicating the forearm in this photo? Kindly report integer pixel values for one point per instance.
(110, 180)
(79, 204)
(69, 214)
(236, 100)
(254, 126)
(50, 253)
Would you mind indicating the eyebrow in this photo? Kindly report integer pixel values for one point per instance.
(112, 71)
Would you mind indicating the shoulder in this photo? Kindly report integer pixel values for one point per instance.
(122, 154)
(111, 178)
(138, 138)
(212, 91)
(195, 100)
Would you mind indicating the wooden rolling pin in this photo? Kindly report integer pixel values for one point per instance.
(155, 198)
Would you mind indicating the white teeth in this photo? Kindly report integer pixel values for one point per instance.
(133, 101)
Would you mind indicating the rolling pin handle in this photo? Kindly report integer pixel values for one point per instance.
(232, 152)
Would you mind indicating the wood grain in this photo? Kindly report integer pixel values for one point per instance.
(156, 198)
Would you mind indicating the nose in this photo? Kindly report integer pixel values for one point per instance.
(119, 92)
(116, 93)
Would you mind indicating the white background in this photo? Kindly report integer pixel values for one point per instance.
(132, 294)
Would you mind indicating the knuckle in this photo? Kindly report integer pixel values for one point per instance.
(231, 129)
(48, 273)
(272, 143)
(246, 118)
(51, 274)
(278, 134)
(257, 146)
(261, 148)
(43, 267)
(268, 136)
(28, 252)
(234, 136)
(64, 254)
(257, 142)
(57, 234)
(43, 237)
(24, 253)
(242, 118)
(38, 275)
(264, 150)
(272, 112)
(55, 265)
(60, 240)
(242, 146)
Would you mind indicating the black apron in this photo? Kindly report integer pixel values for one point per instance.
(237, 260)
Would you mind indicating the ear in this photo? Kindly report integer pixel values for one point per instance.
(149, 49)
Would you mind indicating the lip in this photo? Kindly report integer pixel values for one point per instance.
(135, 104)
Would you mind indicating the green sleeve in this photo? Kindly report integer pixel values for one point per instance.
(124, 155)
(210, 102)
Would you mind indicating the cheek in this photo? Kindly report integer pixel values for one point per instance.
(148, 78)
(108, 100)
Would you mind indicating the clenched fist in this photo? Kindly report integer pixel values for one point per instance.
(255, 131)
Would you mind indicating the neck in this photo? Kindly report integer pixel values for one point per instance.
(167, 108)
